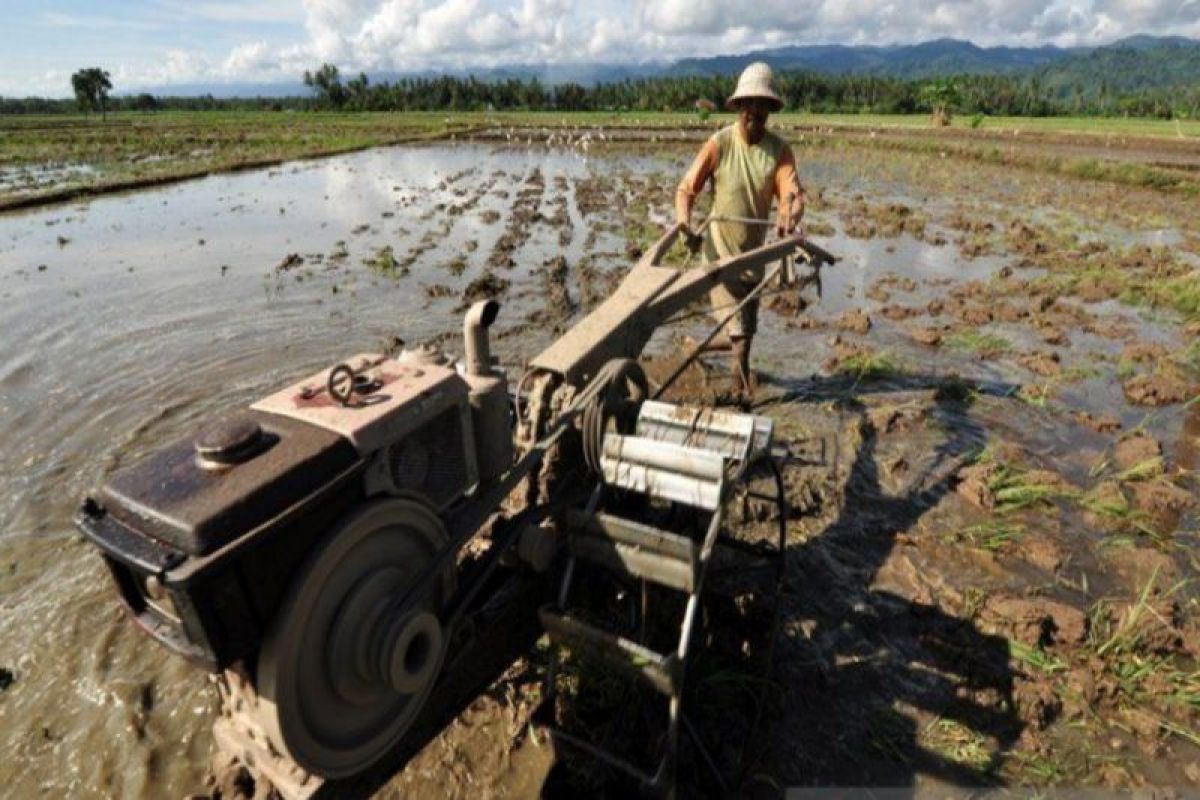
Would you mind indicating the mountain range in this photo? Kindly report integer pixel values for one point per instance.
(938, 57)
(1130, 64)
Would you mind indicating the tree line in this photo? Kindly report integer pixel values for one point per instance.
(996, 95)
(993, 95)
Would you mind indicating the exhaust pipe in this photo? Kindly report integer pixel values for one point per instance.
(475, 336)
(488, 393)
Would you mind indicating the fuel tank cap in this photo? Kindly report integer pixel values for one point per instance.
(229, 441)
(423, 355)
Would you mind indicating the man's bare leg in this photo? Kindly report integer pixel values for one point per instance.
(744, 381)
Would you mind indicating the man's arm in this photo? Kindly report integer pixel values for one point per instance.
(789, 193)
(693, 182)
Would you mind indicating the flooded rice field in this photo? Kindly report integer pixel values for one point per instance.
(992, 583)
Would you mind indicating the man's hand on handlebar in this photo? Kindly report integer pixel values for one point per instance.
(789, 228)
(789, 221)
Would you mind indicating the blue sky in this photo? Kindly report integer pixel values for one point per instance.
(42, 43)
(163, 42)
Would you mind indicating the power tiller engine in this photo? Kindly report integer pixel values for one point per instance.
(306, 549)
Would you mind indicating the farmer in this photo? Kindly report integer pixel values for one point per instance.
(749, 166)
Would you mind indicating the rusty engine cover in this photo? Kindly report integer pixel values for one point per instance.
(204, 536)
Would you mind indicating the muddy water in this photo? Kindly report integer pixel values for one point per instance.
(129, 320)
(150, 312)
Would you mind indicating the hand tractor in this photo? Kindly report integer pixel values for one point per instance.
(306, 550)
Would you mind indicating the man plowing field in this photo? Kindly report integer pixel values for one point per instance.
(328, 552)
(749, 166)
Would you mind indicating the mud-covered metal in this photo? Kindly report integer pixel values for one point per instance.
(230, 441)
(648, 296)
(177, 499)
(245, 548)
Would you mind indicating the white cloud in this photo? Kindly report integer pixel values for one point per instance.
(416, 34)
(248, 59)
(438, 34)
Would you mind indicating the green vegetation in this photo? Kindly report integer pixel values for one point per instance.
(871, 366)
(958, 744)
(1181, 293)
(91, 87)
(985, 345)
(1145, 470)
(134, 150)
(1040, 768)
(1143, 677)
(993, 535)
(942, 98)
(1155, 82)
(1014, 487)
(1036, 657)
(1014, 490)
(384, 263)
(1190, 356)
(1038, 395)
(1111, 78)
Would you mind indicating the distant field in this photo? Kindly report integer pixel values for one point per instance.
(52, 158)
(1066, 125)
(43, 159)
(1128, 127)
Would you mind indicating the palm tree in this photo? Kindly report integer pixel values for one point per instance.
(327, 83)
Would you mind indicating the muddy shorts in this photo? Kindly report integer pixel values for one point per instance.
(725, 296)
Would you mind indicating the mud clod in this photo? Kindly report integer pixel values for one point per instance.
(1042, 553)
(1160, 497)
(1037, 622)
(897, 313)
(974, 485)
(927, 335)
(1143, 352)
(896, 419)
(1158, 389)
(1136, 451)
(488, 285)
(1054, 335)
(1040, 363)
(290, 261)
(1104, 422)
(854, 321)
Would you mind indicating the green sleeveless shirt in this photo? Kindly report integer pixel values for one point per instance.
(744, 183)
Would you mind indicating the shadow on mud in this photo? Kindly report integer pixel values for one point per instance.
(869, 686)
(859, 662)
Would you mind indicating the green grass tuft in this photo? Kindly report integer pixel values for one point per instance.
(958, 744)
(1157, 684)
(1145, 470)
(1183, 294)
(384, 262)
(992, 536)
(871, 366)
(1036, 657)
(979, 343)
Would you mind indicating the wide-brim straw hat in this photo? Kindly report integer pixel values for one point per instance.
(756, 81)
